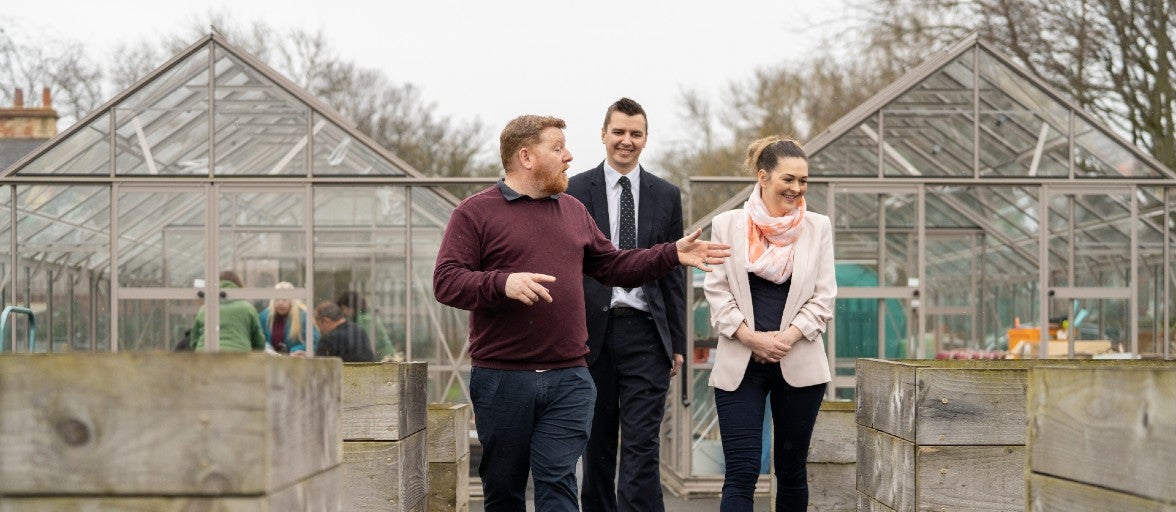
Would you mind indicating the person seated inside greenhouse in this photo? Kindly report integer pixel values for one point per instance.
(284, 322)
(341, 338)
(355, 309)
(240, 326)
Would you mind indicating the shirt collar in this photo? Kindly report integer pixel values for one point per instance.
(510, 195)
(611, 176)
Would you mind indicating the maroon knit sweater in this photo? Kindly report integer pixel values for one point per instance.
(489, 237)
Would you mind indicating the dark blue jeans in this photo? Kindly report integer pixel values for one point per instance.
(741, 423)
(531, 421)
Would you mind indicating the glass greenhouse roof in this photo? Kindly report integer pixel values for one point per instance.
(210, 103)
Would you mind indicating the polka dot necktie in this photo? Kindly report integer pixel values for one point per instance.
(628, 231)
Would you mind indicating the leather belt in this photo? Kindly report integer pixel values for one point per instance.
(624, 311)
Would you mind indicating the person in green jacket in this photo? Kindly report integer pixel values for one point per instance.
(240, 326)
(355, 309)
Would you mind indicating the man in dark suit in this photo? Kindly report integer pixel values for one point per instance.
(636, 336)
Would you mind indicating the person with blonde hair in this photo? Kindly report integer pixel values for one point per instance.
(284, 322)
(769, 304)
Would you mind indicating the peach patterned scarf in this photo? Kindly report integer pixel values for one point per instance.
(771, 241)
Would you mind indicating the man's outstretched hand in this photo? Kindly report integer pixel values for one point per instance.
(524, 287)
(700, 254)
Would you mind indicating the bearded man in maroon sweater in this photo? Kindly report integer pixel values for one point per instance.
(513, 255)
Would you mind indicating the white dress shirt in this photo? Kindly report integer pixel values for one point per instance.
(632, 297)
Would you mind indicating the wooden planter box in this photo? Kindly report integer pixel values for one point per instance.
(1102, 438)
(832, 459)
(947, 435)
(449, 457)
(168, 428)
(384, 437)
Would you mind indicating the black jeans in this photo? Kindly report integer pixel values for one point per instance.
(741, 422)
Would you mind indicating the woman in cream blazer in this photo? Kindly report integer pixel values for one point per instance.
(781, 356)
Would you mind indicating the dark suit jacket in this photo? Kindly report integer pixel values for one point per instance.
(659, 219)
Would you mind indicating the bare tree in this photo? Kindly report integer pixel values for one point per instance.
(1114, 58)
(393, 114)
(75, 83)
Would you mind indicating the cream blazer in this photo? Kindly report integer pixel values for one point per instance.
(809, 306)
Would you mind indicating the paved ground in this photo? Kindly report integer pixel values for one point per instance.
(673, 504)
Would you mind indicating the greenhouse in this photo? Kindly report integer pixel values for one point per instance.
(977, 213)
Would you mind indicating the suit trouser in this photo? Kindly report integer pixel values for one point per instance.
(632, 376)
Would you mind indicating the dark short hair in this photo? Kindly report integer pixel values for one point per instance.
(328, 310)
(229, 275)
(351, 299)
(628, 107)
(524, 131)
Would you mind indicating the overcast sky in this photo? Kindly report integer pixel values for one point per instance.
(493, 60)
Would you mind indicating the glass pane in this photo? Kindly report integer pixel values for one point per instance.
(360, 248)
(1097, 155)
(262, 236)
(927, 131)
(162, 239)
(162, 129)
(155, 325)
(1150, 282)
(853, 154)
(63, 243)
(86, 151)
(703, 199)
(1023, 132)
(5, 242)
(260, 128)
(338, 153)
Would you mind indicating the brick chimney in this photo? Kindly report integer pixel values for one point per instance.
(19, 122)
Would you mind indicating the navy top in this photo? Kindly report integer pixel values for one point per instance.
(768, 300)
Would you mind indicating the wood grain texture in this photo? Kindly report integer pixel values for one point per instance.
(970, 406)
(1109, 427)
(449, 485)
(385, 475)
(868, 504)
(886, 396)
(319, 493)
(165, 423)
(831, 487)
(886, 469)
(383, 401)
(1047, 494)
(448, 431)
(963, 478)
(835, 434)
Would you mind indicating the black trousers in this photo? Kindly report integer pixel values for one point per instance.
(741, 427)
(632, 376)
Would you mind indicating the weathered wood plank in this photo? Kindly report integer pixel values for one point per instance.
(165, 423)
(1109, 427)
(449, 432)
(886, 469)
(885, 396)
(385, 475)
(449, 485)
(990, 403)
(835, 434)
(383, 401)
(970, 477)
(1047, 494)
(319, 493)
(868, 504)
(831, 487)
